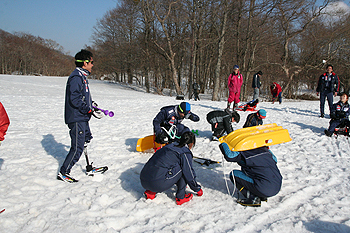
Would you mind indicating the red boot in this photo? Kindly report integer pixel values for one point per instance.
(187, 198)
(149, 194)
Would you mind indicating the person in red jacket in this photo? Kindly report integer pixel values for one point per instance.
(235, 81)
(276, 92)
(4, 122)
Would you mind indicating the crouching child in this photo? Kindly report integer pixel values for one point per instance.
(340, 115)
(171, 165)
(259, 177)
(220, 122)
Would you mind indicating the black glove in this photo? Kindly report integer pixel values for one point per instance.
(341, 115)
(95, 111)
(333, 116)
(162, 138)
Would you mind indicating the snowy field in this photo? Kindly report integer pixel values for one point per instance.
(316, 169)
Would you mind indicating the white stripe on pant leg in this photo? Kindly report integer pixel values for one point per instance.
(76, 144)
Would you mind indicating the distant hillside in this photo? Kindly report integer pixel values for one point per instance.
(22, 53)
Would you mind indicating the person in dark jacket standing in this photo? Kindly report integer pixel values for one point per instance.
(340, 114)
(221, 122)
(169, 121)
(328, 85)
(259, 177)
(256, 84)
(196, 89)
(78, 111)
(255, 118)
(171, 165)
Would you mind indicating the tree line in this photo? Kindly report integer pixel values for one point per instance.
(23, 53)
(173, 43)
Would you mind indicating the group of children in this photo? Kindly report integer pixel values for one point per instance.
(258, 178)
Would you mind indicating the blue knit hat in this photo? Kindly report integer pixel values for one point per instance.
(262, 113)
(236, 67)
(184, 108)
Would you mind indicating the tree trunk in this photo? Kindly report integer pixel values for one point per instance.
(221, 44)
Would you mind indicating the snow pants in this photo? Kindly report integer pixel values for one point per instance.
(79, 134)
(234, 97)
(248, 184)
(337, 123)
(256, 93)
(279, 97)
(162, 185)
(323, 96)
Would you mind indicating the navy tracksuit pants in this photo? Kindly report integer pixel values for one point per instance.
(162, 185)
(79, 134)
(242, 180)
(323, 96)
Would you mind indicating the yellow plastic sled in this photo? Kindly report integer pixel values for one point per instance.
(147, 144)
(256, 136)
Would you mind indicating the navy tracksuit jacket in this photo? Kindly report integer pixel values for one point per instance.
(259, 172)
(168, 166)
(327, 84)
(169, 116)
(340, 115)
(252, 120)
(78, 107)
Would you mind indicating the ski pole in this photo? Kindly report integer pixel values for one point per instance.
(106, 112)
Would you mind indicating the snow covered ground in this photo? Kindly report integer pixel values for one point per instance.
(314, 195)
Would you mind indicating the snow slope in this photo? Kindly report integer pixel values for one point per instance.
(314, 195)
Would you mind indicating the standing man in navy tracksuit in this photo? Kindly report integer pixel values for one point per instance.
(171, 165)
(171, 117)
(259, 176)
(78, 111)
(328, 85)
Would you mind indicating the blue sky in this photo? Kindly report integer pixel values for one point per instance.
(68, 22)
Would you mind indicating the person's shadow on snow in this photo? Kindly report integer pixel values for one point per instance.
(131, 143)
(211, 178)
(311, 127)
(322, 226)
(130, 181)
(55, 149)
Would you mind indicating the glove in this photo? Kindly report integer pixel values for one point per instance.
(333, 116)
(200, 193)
(162, 138)
(95, 111)
(341, 115)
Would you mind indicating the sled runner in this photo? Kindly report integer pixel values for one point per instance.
(147, 144)
(255, 137)
(342, 131)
